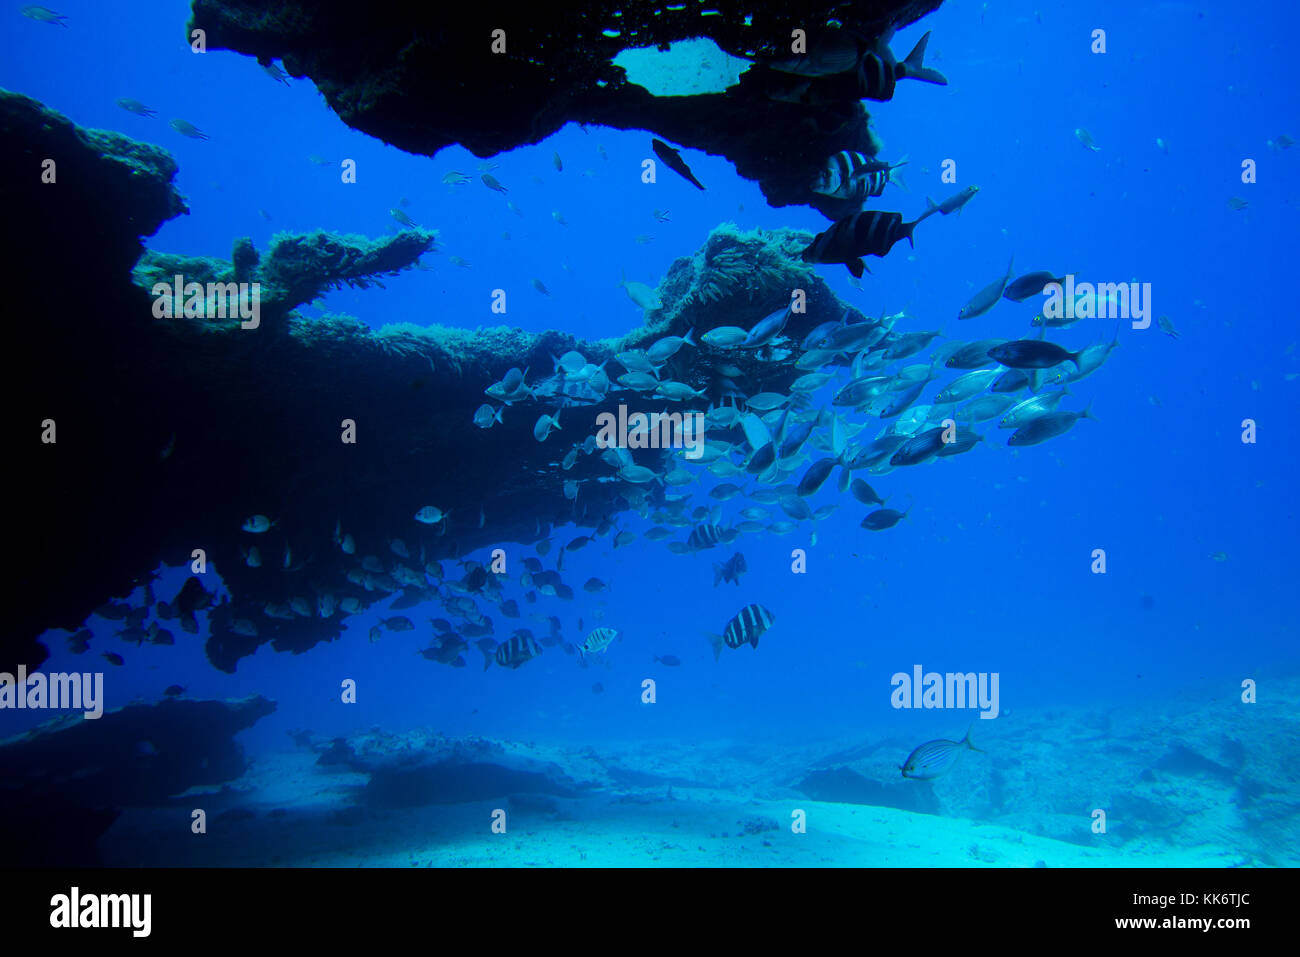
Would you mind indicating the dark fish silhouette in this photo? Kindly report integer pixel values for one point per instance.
(730, 571)
(882, 519)
(673, 160)
(1030, 284)
(869, 233)
(1032, 354)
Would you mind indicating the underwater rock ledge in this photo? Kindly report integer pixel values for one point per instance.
(421, 77)
(62, 784)
(156, 415)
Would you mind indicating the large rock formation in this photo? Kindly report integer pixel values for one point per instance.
(171, 432)
(422, 77)
(63, 783)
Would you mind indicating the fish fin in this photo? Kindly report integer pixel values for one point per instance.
(1087, 413)
(913, 67)
(856, 267)
(715, 642)
(717, 574)
(966, 740)
(687, 339)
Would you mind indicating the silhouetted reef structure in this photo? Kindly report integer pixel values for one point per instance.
(422, 77)
(170, 433)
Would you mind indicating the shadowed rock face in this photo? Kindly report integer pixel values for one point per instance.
(425, 768)
(423, 76)
(171, 432)
(61, 784)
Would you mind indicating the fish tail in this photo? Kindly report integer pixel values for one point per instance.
(1087, 413)
(715, 642)
(966, 740)
(687, 339)
(914, 68)
(895, 177)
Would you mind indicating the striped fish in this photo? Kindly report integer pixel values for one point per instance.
(869, 233)
(879, 72)
(597, 641)
(708, 535)
(853, 177)
(750, 623)
(935, 758)
(517, 650)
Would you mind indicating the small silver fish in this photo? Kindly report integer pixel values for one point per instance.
(43, 15)
(935, 758)
(186, 128)
(1084, 137)
(403, 218)
(486, 416)
(257, 524)
(545, 424)
(430, 515)
(275, 73)
(136, 107)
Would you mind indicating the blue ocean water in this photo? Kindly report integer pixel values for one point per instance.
(992, 571)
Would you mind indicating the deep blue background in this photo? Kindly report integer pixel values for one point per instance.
(990, 572)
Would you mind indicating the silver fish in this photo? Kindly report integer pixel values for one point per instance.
(988, 297)
(935, 758)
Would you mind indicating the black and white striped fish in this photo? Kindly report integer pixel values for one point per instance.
(869, 233)
(597, 641)
(708, 535)
(879, 72)
(934, 758)
(854, 177)
(750, 623)
(518, 649)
